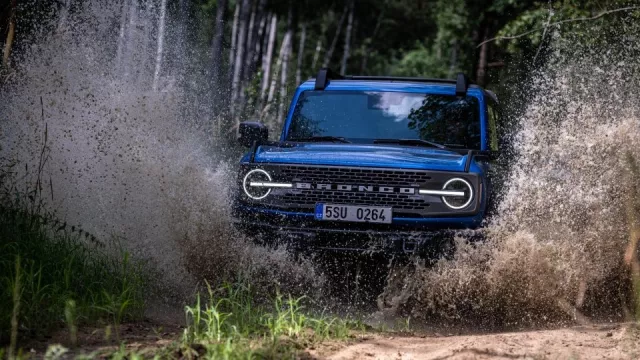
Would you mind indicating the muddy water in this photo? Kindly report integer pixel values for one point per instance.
(555, 250)
(129, 162)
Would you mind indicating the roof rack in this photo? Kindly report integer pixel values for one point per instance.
(324, 75)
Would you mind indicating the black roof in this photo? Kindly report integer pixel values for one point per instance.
(461, 82)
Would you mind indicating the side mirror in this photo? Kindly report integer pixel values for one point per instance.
(251, 131)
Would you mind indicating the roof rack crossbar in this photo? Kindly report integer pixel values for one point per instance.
(324, 75)
(400, 78)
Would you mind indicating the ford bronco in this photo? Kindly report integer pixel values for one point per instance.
(370, 163)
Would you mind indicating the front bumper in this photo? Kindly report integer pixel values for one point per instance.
(303, 232)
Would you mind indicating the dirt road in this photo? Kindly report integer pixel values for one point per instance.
(611, 341)
(585, 342)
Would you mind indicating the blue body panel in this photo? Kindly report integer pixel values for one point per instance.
(384, 156)
(379, 156)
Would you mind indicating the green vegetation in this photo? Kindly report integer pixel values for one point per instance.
(54, 273)
(227, 324)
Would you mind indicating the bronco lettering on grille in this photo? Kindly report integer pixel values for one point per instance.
(357, 188)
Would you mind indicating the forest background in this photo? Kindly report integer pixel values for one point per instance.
(242, 59)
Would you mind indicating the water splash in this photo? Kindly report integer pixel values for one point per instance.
(554, 252)
(126, 160)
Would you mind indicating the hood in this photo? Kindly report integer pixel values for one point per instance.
(391, 156)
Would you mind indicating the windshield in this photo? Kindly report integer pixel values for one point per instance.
(362, 116)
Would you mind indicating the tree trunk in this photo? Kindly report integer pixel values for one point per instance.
(347, 40)
(216, 44)
(285, 64)
(243, 25)
(481, 76)
(454, 58)
(250, 37)
(260, 56)
(253, 42)
(369, 41)
(274, 78)
(219, 83)
(329, 54)
(161, 21)
(268, 58)
(11, 33)
(303, 36)
(316, 54)
(246, 68)
(234, 38)
(283, 77)
(260, 40)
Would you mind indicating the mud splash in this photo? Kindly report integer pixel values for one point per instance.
(136, 163)
(128, 161)
(555, 251)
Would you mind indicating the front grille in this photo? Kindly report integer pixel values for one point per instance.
(354, 176)
(357, 176)
(329, 184)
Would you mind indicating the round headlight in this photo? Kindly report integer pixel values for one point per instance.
(458, 202)
(256, 176)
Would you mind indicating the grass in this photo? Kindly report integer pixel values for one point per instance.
(47, 273)
(228, 325)
(53, 273)
(225, 323)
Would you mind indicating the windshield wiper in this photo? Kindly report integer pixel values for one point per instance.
(415, 142)
(322, 138)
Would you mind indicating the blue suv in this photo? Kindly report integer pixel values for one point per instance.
(370, 163)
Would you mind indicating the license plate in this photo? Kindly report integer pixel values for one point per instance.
(355, 213)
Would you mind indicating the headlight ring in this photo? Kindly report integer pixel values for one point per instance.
(256, 175)
(460, 185)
